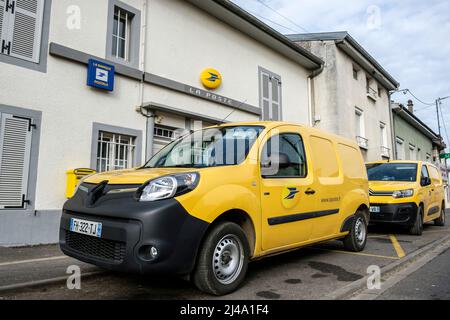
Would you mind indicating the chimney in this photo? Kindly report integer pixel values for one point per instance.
(410, 106)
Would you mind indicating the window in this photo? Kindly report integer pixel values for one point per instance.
(213, 147)
(385, 152)
(380, 91)
(400, 149)
(270, 95)
(115, 151)
(166, 133)
(24, 28)
(355, 72)
(289, 145)
(371, 92)
(123, 33)
(115, 148)
(360, 129)
(15, 155)
(412, 152)
(424, 173)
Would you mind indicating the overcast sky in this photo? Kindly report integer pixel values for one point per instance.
(410, 38)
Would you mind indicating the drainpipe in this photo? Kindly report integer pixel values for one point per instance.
(393, 135)
(312, 98)
(150, 122)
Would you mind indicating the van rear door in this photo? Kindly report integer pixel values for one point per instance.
(330, 187)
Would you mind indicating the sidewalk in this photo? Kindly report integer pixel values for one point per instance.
(29, 265)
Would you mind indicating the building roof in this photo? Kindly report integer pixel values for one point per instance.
(236, 17)
(344, 40)
(414, 121)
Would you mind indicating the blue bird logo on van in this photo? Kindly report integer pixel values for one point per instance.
(292, 193)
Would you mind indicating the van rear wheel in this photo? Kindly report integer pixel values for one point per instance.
(440, 222)
(223, 260)
(356, 240)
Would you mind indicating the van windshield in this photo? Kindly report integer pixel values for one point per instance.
(405, 172)
(213, 147)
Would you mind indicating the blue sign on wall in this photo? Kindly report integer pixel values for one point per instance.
(100, 75)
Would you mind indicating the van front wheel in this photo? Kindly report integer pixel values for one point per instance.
(223, 260)
(356, 240)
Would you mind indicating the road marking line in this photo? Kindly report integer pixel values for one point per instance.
(32, 260)
(397, 247)
(357, 253)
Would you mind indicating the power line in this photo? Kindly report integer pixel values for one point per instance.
(271, 21)
(284, 17)
(415, 97)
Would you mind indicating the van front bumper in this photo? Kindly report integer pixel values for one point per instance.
(402, 214)
(129, 230)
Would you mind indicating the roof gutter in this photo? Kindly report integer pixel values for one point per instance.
(416, 122)
(354, 50)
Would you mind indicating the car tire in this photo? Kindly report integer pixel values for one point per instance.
(223, 260)
(440, 222)
(356, 240)
(417, 228)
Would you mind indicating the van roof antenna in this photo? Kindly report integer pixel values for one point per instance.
(235, 109)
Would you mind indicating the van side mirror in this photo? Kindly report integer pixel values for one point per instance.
(277, 160)
(425, 181)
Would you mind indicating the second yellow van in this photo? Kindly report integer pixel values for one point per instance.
(211, 201)
(406, 193)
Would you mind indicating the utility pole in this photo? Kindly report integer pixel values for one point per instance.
(438, 102)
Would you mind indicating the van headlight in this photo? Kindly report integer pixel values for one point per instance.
(168, 187)
(403, 193)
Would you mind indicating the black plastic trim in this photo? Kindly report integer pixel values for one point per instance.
(301, 216)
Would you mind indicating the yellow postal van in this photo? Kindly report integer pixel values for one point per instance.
(212, 201)
(406, 193)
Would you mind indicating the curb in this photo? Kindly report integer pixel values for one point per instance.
(361, 284)
(39, 283)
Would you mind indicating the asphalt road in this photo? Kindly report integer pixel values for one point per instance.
(431, 282)
(309, 273)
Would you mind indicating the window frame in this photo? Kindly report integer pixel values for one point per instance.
(133, 47)
(136, 134)
(400, 141)
(41, 66)
(304, 153)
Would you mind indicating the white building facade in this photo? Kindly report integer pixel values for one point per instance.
(51, 121)
(352, 93)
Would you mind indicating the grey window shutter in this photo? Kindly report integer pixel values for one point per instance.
(265, 95)
(15, 151)
(276, 99)
(3, 24)
(26, 29)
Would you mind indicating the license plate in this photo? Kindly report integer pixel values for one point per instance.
(93, 229)
(375, 209)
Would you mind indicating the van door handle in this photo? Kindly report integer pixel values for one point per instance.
(310, 192)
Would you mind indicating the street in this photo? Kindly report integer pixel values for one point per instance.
(309, 273)
(430, 282)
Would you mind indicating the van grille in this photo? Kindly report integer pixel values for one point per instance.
(380, 193)
(96, 247)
